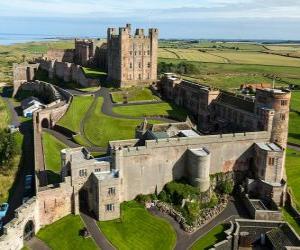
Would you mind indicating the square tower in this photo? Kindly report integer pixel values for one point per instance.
(132, 59)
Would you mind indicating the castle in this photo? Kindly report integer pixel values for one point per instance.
(244, 137)
(128, 59)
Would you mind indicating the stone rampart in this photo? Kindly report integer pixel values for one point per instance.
(148, 168)
(67, 72)
(13, 236)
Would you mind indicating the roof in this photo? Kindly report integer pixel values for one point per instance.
(189, 133)
(236, 101)
(27, 102)
(269, 146)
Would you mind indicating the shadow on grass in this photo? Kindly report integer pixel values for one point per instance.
(295, 135)
(52, 177)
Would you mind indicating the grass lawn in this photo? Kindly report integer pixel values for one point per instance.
(296, 101)
(94, 73)
(138, 229)
(160, 109)
(289, 218)
(52, 148)
(134, 94)
(100, 128)
(76, 112)
(294, 127)
(293, 174)
(212, 237)
(64, 235)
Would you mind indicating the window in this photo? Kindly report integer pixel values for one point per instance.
(282, 117)
(135, 53)
(148, 52)
(97, 170)
(284, 102)
(140, 52)
(140, 65)
(82, 172)
(149, 65)
(140, 77)
(112, 191)
(130, 65)
(109, 207)
(130, 53)
(271, 161)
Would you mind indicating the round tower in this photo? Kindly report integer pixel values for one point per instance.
(279, 101)
(198, 168)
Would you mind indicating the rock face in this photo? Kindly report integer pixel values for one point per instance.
(207, 214)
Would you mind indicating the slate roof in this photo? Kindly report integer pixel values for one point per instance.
(236, 101)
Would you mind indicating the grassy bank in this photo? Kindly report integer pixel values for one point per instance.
(138, 229)
(64, 234)
(160, 109)
(134, 94)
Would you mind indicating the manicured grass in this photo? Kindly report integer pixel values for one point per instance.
(52, 148)
(100, 128)
(76, 113)
(293, 174)
(138, 229)
(294, 127)
(94, 73)
(7, 177)
(160, 109)
(64, 235)
(134, 94)
(212, 237)
(295, 105)
(289, 218)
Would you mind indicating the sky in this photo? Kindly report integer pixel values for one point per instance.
(200, 19)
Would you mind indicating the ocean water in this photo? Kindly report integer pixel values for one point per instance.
(9, 39)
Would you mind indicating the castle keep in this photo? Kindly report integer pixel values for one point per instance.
(132, 59)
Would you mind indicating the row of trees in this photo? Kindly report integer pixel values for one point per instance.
(182, 68)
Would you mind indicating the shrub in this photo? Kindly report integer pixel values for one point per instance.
(142, 198)
(8, 147)
(225, 186)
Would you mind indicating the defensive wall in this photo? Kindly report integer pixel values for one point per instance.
(146, 169)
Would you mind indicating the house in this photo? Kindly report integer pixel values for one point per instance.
(30, 105)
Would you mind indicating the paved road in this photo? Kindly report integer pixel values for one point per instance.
(36, 244)
(234, 209)
(96, 233)
(294, 146)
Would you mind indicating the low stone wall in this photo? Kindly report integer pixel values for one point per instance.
(228, 242)
(209, 214)
(13, 236)
(67, 72)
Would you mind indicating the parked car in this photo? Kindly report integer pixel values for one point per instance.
(3, 210)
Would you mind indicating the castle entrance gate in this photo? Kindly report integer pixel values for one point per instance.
(28, 231)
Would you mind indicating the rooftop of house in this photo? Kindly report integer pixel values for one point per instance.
(269, 146)
(30, 101)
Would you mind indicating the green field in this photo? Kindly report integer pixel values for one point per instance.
(296, 101)
(293, 174)
(100, 128)
(138, 229)
(294, 128)
(134, 94)
(94, 73)
(52, 148)
(76, 112)
(160, 109)
(212, 237)
(289, 218)
(64, 235)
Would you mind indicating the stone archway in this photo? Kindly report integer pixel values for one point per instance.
(45, 123)
(29, 231)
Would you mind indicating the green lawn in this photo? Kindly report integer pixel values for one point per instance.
(138, 229)
(294, 128)
(52, 148)
(100, 128)
(289, 218)
(94, 73)
(296, 101)
(212, 237)
(160, 109)
(64, 235)
(134, 94)
(293, 174)
(76, 113)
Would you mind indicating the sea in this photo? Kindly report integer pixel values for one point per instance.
(9, 39)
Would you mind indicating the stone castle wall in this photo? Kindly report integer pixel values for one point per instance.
(66, 55)
(148, 168)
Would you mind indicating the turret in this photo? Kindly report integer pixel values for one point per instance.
(279, 101)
